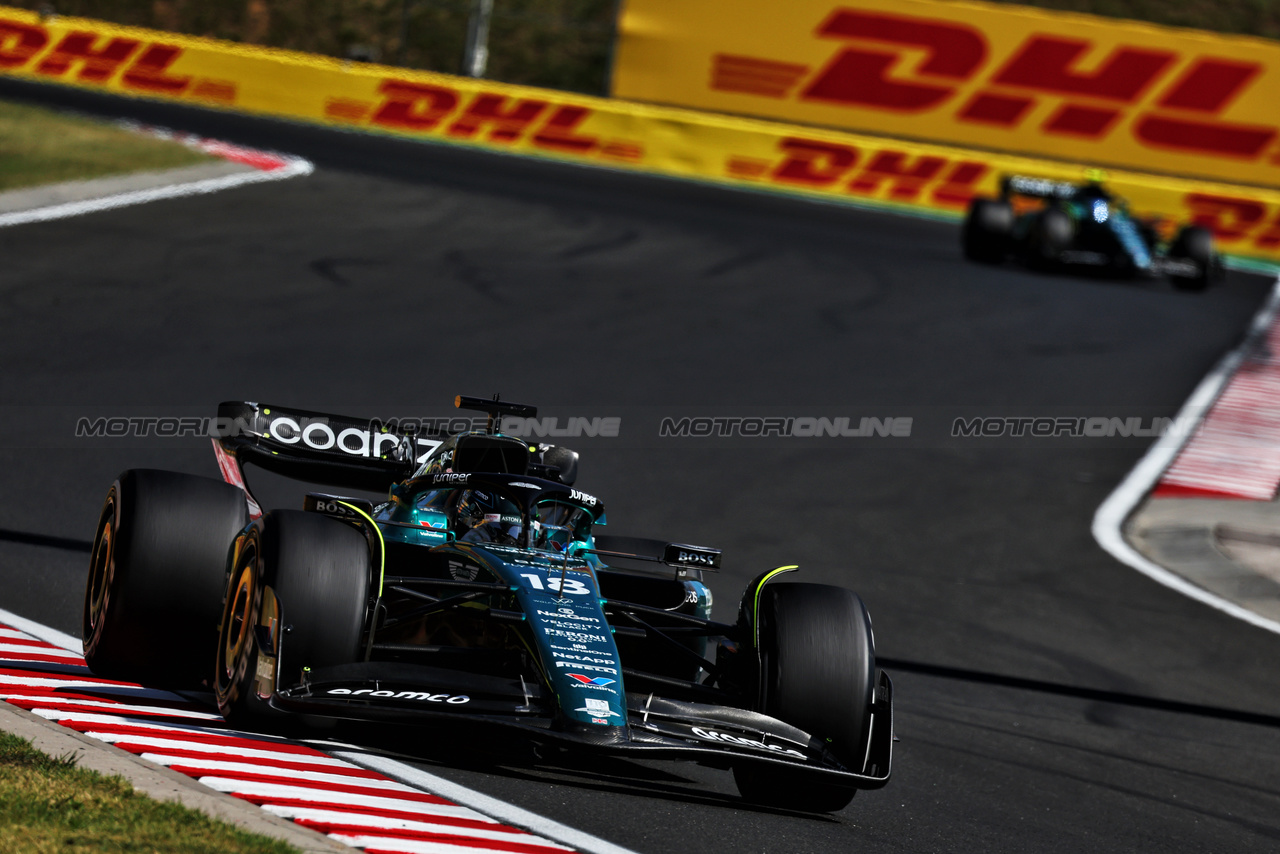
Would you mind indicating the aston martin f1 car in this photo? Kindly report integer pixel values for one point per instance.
(482, 591)
(1055, 224)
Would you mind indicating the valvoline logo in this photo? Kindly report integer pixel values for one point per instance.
(598, 681)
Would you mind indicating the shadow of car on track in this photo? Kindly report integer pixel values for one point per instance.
(515, 758)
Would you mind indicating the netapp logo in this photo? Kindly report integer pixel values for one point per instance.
(423, 696)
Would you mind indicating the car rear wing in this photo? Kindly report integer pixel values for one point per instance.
(335, 450)
(1036, 188)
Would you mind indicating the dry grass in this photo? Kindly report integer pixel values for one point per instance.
(40, 146)
(48, 805)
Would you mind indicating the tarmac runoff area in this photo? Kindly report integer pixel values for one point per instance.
(1228, 547)
(1201, 514)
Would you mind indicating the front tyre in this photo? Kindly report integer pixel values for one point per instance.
(156, 574)
(319, 573)
(987, 231)
(817, 673)
(1195, 243)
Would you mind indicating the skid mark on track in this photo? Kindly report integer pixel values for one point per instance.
(327, 268)
(735, 262)
(595, 247)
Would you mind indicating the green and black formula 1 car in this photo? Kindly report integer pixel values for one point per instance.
(1055, 224)
(479, 591)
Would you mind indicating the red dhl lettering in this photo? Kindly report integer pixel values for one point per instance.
(414, 106)
(97, 64)
(96, 59)
(425, 108)
(19, 42)
(149, 72)
(1239, 223)
(857, 76)
(505, 122)
(1097, 92)
(824, 165)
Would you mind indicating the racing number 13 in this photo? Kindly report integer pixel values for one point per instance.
(572, 586)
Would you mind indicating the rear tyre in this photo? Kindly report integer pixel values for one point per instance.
(156, 574)
(986, 231)
(1052, 232)
(1195, 243)
(320, 573)
(817, 673)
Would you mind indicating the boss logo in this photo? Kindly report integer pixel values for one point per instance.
(683, 555)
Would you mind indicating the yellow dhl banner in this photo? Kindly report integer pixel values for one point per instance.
(829, 165)
(1006, 78)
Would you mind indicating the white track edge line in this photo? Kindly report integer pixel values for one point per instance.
(492, 807)
(295, 166)
(1108, 521)
(42, 632)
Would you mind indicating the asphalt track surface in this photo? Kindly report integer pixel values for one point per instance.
(1048, 698)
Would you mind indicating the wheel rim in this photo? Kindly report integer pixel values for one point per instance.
(237, 625)
(101, 569)
(238, 628)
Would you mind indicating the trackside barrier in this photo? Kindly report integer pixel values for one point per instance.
(830, 165)
(1120, 94)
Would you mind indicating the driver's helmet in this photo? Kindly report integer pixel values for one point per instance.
(1091, 191)
(482, 516)
(558, 525)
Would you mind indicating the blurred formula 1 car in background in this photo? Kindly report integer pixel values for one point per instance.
(1049, 224)
(480, 593)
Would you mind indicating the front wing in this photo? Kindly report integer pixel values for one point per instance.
(657, 728)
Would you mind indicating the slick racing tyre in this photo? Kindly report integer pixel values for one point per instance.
(156, 573)
(817, 673)
(1194, 243)
(986, 231)
(319, 572)
(1052, 232)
